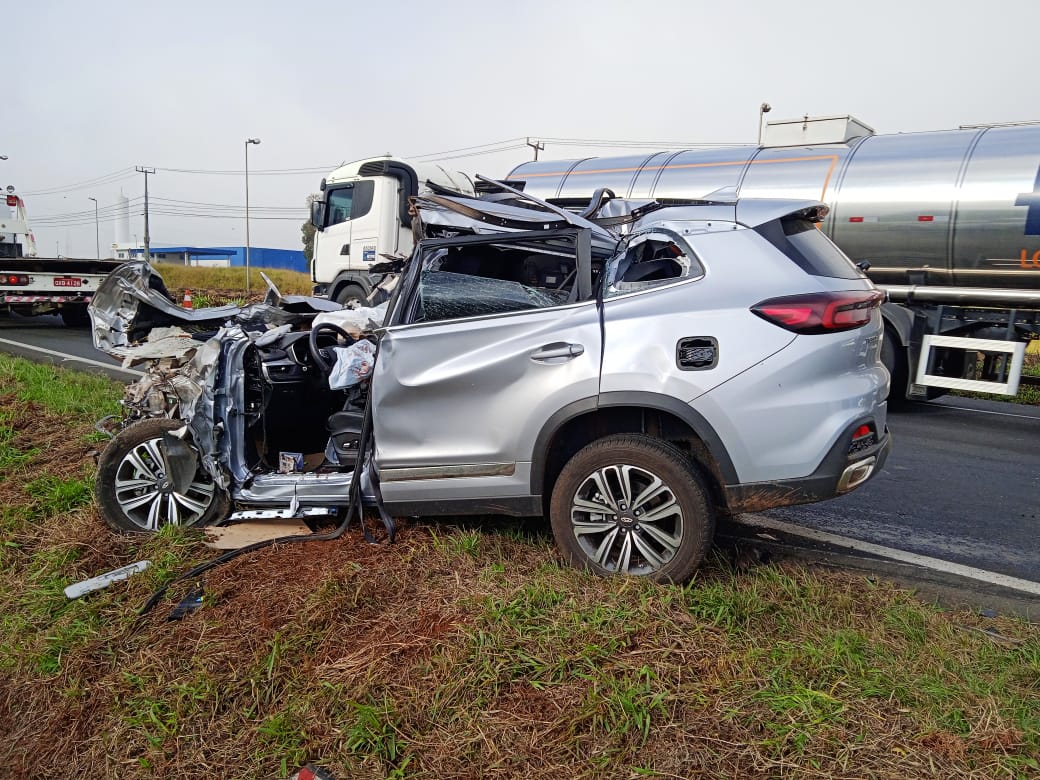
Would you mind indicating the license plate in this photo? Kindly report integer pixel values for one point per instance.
(67, 281)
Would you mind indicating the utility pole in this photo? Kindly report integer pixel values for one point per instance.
(537, 146)
(97, 230)
(147, 238)
(248, 142)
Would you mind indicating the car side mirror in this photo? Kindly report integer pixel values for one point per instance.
(318, 214)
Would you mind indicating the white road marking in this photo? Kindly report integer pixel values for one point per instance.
(65, 357)
(987, 411)
(937, 564)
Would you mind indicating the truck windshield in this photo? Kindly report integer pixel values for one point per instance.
(349, 202)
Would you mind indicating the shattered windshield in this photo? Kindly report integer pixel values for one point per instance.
(477, 280)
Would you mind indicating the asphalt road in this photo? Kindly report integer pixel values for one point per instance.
(46, 338)
(962, 483)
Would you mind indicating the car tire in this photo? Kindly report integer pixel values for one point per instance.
(597, 529)
(75, 316)
(129, 484)
(350, 296)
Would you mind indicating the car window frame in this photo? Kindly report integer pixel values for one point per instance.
(407, 303)
(697, 268)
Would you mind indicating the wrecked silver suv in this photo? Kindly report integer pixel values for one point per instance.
(632, 371)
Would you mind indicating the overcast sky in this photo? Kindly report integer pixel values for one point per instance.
(93, 89)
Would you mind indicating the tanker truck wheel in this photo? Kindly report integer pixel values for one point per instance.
(893, 357)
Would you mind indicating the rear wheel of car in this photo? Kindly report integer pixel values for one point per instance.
(633, 504)
(134, 491)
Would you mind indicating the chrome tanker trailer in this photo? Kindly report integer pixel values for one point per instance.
(948, 221)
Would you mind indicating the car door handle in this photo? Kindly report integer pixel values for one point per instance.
(557, 350)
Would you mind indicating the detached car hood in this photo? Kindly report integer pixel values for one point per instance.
(133, 301)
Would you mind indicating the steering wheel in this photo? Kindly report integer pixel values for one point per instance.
(321, 356)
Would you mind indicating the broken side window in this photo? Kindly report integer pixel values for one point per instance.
(651, 260)
(477, 279)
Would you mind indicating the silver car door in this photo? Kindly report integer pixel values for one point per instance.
(492, 339)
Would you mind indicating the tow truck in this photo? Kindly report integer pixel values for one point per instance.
(32, 285)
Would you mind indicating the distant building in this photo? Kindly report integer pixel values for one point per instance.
(219, 256)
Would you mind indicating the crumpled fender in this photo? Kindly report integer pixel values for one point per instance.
(182, 459)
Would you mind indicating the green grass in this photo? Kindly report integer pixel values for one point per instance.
(467, 651)
(11, 457)
(200, 280)
(69, 394)
(1027, 394)
(53, 496)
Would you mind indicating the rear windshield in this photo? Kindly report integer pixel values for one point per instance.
(812, 251)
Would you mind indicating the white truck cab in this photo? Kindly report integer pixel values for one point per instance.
(362, 215)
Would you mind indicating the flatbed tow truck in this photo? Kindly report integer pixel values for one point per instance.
(32, 285)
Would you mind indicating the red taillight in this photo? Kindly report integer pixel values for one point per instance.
(821, 312)
(14, 279)
(12, 200)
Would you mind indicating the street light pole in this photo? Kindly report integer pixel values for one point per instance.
(763, 109)
(248, 142)
(97, 230)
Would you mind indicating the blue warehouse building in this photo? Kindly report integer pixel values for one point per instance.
(223, 256)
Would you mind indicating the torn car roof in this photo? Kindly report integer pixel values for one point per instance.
(132, 301)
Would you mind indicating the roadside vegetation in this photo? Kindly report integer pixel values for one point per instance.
(1027, 394)
(463, 650)
(218, 286)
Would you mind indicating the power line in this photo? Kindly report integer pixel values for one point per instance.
(114, 211)
(103, 210)
(97, 181)
(220, 216)
(512, 141)
(229, 205)
(604, 142)
(476, 150)
(476, 154)
(264, 172)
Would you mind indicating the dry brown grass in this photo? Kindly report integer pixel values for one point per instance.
(216, 286)
(470, 652)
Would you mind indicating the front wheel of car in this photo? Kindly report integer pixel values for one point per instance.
(632, 504)
(134, 488)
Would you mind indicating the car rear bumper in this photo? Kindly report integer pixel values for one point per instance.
(842, 471)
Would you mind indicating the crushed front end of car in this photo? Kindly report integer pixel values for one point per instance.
(238, 386)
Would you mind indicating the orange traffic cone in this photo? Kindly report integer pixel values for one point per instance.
(186, 303)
